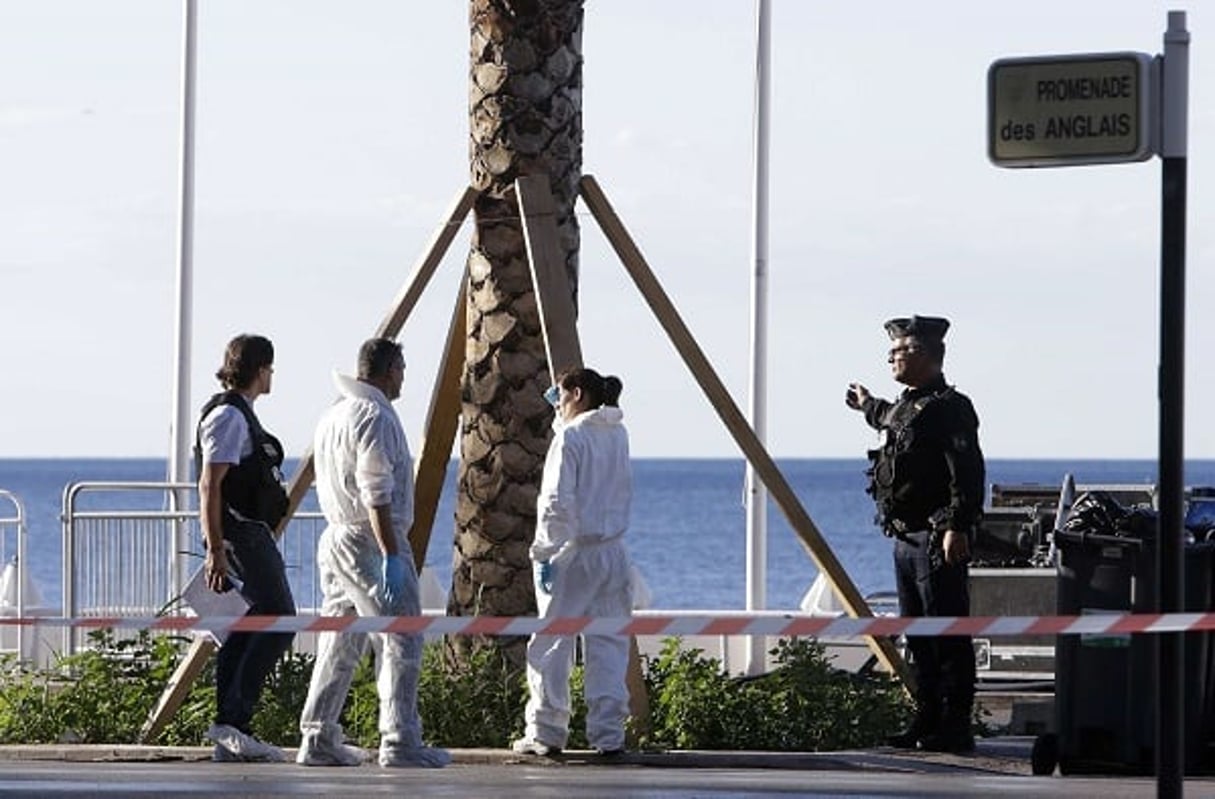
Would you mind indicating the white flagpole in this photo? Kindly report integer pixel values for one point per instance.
(181, 428)
(756, 492)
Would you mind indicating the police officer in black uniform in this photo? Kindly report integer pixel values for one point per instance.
(927, 479)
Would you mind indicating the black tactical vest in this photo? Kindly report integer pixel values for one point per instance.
(906, 474)
(253, 487)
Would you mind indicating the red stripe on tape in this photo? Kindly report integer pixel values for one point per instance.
(726, 626)
(968, 626)
(175, 623)
(253, 624)
(1134, 624)
(565, 626)
(408, 625)
(1050, 625)
(806, 626)
(654, 625)
(887, 625)
(486, 625)
(330, 624)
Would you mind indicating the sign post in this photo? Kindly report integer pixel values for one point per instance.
(1104, 108)
(1170, 563)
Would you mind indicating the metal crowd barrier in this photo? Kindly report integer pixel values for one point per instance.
(13, 580)
(130, 547)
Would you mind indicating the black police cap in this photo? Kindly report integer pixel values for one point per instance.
(929, 327)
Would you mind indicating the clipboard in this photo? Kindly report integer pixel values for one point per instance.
(199, 597)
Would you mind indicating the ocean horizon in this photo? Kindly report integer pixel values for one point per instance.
(687, 534)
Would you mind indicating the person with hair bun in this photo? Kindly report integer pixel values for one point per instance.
(581, 565)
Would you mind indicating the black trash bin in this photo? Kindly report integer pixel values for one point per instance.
(1105, 699)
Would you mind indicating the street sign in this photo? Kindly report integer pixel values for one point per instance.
(1070, 110)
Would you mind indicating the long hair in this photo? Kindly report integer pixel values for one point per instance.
(244, 357)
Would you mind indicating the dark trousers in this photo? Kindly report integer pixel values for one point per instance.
(246, 659)
(944, 666)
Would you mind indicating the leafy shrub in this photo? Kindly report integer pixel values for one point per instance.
(103, 695)
(28, 713)
(474, 700)
(98, 695)
(804, 704)
(477, 699)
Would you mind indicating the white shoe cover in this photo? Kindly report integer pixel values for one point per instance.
(530, 746)
(239, 746)
(415, 757)
(313, 752)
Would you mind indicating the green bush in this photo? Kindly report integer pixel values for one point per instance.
(475, 700)
(804, 704)
(104, 693)
(99, 695)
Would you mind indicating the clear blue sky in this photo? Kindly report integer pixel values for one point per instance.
(332, 135)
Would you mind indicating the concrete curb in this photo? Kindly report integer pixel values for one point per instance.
(998, 755)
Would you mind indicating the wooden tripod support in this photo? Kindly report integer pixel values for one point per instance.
(558, 319)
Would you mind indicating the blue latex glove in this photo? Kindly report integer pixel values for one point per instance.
(546, 577)
(392, 579)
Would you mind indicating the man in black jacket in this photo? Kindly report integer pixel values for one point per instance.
(927, 479)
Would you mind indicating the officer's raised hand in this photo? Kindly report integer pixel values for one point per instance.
(956, 547)
(856, 396)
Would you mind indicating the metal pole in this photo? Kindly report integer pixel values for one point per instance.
(180, 429)
(756, 492)
(1170, 565)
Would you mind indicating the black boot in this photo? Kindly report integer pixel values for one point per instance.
(958, 742)
(906, 738)
(954, 734)
(922, 726)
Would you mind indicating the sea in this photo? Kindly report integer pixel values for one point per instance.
(688, 529)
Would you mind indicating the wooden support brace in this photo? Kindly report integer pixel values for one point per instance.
(442, 421)
(178, 687)
(554, 299)
(647, 283)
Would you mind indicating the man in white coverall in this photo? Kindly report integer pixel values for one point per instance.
(364, 481)
(582, 567)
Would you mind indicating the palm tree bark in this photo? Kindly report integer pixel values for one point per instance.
(525, 117)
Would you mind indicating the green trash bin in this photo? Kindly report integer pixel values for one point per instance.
(1105, 698)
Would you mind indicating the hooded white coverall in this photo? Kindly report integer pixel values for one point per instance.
(582, 513)
(363, 461)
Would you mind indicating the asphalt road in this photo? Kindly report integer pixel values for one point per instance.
(1000, 768)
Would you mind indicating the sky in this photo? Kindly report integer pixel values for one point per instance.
(331, 137)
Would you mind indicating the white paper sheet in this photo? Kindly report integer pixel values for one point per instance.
(199, 597)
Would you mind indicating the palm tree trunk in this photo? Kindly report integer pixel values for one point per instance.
(525, 117)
